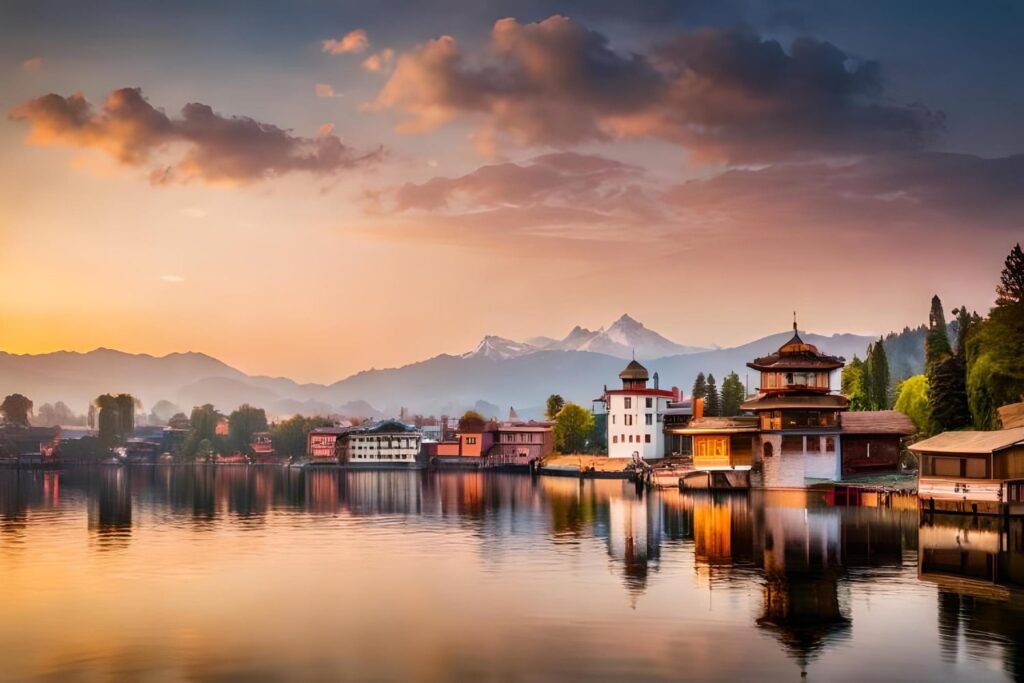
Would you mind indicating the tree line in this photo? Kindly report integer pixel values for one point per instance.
(719, 403)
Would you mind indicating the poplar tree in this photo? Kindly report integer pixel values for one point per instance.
(712, 400)
(936, 344)
(877, 376)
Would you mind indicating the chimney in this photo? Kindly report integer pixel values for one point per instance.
(676, 395)
(698, 408)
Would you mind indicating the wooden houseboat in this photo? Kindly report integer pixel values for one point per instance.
(972, 472)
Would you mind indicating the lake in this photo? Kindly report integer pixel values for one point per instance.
(267, 574)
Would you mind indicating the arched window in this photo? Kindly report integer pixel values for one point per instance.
(769, 450)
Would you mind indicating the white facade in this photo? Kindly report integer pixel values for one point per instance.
(634, 424)
(380, 448)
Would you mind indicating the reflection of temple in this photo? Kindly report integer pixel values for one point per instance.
(802, 566)
(978, 565)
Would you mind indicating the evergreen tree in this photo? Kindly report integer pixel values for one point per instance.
(732, 395)
(700, 387)
(995, 349)
(947, 394)
(1010, 289)
(936, 344)
(877, 376)
(712, 400)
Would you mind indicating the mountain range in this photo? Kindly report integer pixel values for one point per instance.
(498, 372)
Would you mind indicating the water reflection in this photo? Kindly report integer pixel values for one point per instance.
(791, 577)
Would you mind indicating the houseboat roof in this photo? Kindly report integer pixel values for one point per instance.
(720, 425)
(776, 402)
(382, 427)
(970, 442)
(877, 422)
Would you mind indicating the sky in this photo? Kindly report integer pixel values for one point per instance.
(311, 189)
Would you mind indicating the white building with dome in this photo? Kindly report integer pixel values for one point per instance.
(634, 415)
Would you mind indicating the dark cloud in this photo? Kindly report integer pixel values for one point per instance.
(200, 144)
(724, 94)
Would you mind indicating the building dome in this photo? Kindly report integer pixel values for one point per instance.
(634, 371)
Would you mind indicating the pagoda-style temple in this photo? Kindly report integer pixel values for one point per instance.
(798, 406)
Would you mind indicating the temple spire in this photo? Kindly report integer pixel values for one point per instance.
(794, 321)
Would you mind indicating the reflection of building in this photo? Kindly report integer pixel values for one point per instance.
(635, 414)
(972, 471)
(634, 538)
(978, 565)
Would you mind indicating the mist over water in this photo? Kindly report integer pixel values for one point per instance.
(268, 574)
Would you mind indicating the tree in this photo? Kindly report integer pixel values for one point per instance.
(179, 421)
(472, 421)
(853, 384)
(936, 344)
(876, 377)
(55, 415)
(912, 401)
(162, 412)
(16, 410)
(573, 425)
(202, 427)
(1010, 289)
(126, 404)
(289, 436)
(947, 394)
(700, 387)
(712, 400)
(555, 404)
(732, 394)
(243, 423)
(107, 420)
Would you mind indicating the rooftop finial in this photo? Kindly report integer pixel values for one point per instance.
(634, 353)
(794, 321)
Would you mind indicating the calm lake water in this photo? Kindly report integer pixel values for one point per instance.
(265, 574)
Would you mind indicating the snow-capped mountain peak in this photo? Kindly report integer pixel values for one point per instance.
(499, 348)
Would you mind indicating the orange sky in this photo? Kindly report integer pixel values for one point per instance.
(421, 206)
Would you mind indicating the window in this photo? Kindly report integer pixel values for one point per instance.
(649, 419)
(650, 402)
(813, 444)
(830, 444)
(647, 438)
(628, 402)
(629, 420)
(769, 450)
(631, 438)
(615, 439)
(470, 440)
(613, 418)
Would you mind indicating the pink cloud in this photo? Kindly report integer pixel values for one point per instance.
(723, 94)
(200, 144)
(32, 64)
(352, 42)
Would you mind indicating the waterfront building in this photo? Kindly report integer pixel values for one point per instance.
(675, 419)
(635, 415)
(723, 450)
(798, 406)
(262, 447)
(520, 442)
(872, 440)
(321, 443)
(388, 443)
(972, 472)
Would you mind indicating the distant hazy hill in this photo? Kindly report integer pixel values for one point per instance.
(498, 375)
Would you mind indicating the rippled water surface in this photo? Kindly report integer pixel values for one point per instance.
(267, 574)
